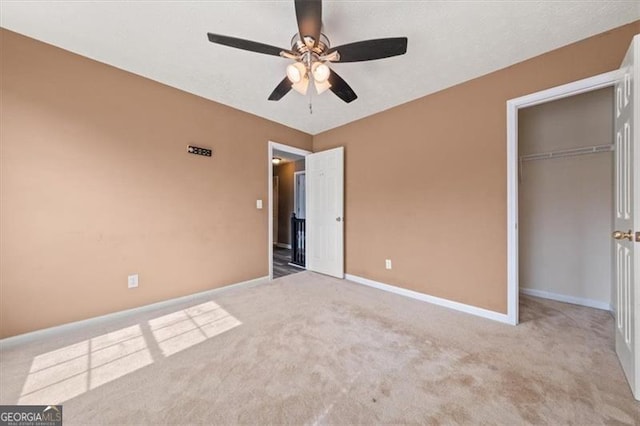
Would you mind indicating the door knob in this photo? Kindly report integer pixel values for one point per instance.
(619, 235)
(338, 219)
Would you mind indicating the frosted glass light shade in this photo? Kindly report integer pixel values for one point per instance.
(320, 71)
(321, 87)
(296, 72)
(301, 86)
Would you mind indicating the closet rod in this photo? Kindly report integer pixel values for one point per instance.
(568, 152)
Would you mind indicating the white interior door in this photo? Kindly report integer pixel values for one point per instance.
(325, 212)
(626, 257)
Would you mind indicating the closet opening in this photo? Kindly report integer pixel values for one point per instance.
(565, 198)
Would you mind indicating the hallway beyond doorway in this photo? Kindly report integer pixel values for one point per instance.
(281, 259)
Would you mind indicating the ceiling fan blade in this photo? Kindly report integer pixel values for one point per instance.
(251, 46)
(309, 16)
(369, 50)
(341, 88)
(282, 89)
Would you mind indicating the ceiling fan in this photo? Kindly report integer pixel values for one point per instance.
(311, 53)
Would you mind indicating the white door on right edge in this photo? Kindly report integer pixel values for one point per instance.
(626, 255)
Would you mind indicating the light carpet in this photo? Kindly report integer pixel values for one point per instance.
(309, 349)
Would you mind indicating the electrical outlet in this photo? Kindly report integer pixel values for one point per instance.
(132, 281)
(258, 204)
(387, 263)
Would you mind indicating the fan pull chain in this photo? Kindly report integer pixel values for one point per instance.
(310, 104)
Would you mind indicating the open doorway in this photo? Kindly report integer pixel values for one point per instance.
(565, 197)
(625, 256)
(287, 194)
(515, 160)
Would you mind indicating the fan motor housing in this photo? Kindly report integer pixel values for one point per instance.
(299, 45)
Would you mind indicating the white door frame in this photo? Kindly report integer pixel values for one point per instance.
(275, 146)
(275, 207)
(513, 105)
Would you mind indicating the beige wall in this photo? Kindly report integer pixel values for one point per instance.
(565, 203)
(96, 185)
(425, 182)
(285, 203)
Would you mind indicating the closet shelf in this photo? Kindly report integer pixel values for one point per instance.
(567, 152)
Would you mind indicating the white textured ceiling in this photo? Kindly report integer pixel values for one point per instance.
(449, 42)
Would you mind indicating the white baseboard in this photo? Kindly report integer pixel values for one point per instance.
(32, 335)
(283, 245)
(567, 299)
(473, 310)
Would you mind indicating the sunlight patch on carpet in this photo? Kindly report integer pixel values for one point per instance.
(180, 330)
(64, 373)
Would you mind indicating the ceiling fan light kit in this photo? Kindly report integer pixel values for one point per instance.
(300, 75)
(312, 53)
